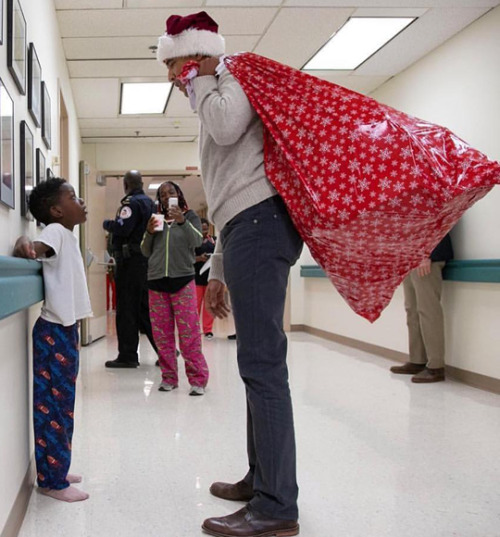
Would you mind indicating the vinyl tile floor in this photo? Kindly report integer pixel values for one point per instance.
(378, 456)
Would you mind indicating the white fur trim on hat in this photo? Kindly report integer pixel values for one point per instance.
(190, 43)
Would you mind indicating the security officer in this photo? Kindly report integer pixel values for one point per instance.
(132, 307)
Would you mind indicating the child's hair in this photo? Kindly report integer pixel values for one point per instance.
(44, 196)
(204, 221)
(182, 200)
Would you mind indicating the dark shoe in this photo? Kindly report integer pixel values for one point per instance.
(407, 369)
(209, 335)
(232, 336)
(237, 492)
(245, 523)
(121, 364)
(157, 363)
(429, 375)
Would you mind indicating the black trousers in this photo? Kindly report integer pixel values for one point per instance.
(132, 306)
(260, 244)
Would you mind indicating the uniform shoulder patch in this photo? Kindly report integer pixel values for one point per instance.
(125, 213)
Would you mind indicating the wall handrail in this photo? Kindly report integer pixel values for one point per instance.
(458, 270)
(21, 284)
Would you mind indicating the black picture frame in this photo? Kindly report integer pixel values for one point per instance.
(46, 124)
(16, 44)
(27, 144)
(7, 167)
(41, 170)
(1, 22)
(34, 86)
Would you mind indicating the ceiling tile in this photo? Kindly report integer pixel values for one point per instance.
(296, 34)
(96, 97)
(88, 4)
(116, 68)
(151, 22)
(420, 38)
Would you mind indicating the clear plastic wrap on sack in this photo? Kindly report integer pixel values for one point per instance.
(371, 190)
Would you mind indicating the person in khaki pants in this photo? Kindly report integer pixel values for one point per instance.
(424, 317)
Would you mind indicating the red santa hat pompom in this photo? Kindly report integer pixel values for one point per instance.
(189, 36)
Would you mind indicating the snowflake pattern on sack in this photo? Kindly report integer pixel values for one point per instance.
(371, 190)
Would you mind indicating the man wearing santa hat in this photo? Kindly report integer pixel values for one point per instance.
(258, 244)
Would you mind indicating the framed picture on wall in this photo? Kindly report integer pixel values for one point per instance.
(46, 125)
(34, 86)
(16, 44)
(1, 22)
(7, 190)
(41, 174)
(27, 168)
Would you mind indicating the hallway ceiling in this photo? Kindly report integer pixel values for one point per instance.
(107, 42)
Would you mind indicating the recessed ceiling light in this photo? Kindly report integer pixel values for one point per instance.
(357, 40)
(144, 97)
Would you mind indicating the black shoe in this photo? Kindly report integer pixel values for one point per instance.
(121, 364)
(157, 363)
(232, 336)
(209, 335)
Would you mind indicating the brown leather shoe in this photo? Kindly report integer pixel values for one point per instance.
(237, 492)
(407, 369)
(429, 375)
(245, 523)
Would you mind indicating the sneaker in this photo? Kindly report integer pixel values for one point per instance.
(165, 387)
(232, 336)
(197, 390)
(209, 335)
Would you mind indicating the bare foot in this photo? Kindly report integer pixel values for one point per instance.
(74, 478)
(69, 494)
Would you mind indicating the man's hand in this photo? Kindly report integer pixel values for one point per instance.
(208, 65)
(214, 299)
(424, 268)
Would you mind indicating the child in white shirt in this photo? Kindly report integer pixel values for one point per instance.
(55, 334)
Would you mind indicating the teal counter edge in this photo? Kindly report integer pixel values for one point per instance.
(21, 284)
(458, 270)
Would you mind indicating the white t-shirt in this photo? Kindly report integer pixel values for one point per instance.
(66, 294)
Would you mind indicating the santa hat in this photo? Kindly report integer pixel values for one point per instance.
(189, 36)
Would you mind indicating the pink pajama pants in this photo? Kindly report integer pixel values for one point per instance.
(166, 311)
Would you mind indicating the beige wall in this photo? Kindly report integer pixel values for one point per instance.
(458, 86)
(15, 337)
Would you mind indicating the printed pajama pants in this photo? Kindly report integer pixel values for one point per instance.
(55, 368)
(166, 311)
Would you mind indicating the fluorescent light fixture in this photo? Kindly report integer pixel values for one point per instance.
(144, 97)
(154, 186)
(357, 40)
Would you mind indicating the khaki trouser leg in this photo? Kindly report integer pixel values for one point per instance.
(424, 315)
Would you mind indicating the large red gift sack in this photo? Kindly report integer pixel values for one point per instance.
(370, 189)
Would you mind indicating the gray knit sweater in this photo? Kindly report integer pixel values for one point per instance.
(231, 153)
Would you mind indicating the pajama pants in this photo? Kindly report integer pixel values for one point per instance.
(207, 319)
(166, 311)
(55, 368)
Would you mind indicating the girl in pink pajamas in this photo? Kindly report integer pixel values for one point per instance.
(172, 290)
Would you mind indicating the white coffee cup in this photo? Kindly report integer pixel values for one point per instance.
(159, 222)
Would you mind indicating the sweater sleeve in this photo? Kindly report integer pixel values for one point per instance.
(217, 268)
(223, 108)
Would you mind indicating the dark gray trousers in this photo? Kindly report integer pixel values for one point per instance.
(260, 244)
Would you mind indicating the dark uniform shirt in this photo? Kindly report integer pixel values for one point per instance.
(130, 223)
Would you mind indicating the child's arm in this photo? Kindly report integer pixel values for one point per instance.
(24, 247)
